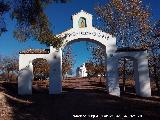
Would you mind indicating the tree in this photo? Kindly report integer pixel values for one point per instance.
(126, 71)
(9, 67)
(128, 21)
(157, 29)
(41, 69)
(1, 65)
(67, 61)
(90, 69)
(4, 7)
(31, 21)
(154, 57)
(96, 65)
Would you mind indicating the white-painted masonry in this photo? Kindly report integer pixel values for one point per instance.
(83, 29)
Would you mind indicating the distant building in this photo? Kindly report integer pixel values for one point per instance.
(81, 71)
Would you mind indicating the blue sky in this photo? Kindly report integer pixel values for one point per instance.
(60, 17)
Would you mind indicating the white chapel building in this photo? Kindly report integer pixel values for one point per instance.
(81, 71)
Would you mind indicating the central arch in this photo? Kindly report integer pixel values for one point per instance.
(96, 43)
(87, 32)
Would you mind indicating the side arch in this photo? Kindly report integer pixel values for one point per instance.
(141, 72)
(26, 75)
(54, 60)
(92, 34)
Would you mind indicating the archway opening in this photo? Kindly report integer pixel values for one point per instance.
(41, 70)
(127, 75)
(85, 68)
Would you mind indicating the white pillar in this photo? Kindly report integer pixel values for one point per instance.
(143, 83)
(112, 75)
(136, 75)
(25, 78)
(55, 85)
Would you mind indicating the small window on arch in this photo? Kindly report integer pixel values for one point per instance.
(82, 22)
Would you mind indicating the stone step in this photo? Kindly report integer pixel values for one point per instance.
(91, 88)
(84, 84)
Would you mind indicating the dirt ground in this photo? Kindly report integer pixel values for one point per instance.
(72, 103)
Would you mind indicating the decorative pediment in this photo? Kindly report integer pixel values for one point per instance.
(82, 20)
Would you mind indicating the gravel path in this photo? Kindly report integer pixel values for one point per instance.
(5, 109)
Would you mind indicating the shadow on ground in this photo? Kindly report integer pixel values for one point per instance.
(42, 106)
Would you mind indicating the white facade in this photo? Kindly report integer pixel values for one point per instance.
(81, 71)
(54, 60)
(89, 33)
(83, 29)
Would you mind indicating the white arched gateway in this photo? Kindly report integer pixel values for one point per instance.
(84, 30)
